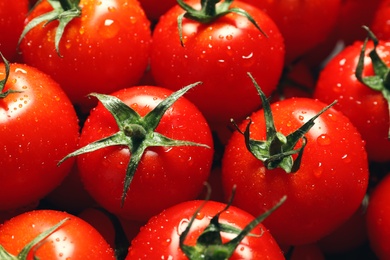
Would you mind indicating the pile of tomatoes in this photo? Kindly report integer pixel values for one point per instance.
(140, 129)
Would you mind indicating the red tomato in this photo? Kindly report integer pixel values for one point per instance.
(165, 175)
(159, 238)
(378, 219)
(12, 15)
(326, 189)
(366, 108)
(353, 15)
(103, 50)
(303, 24)
(219, 54)
(380, 22)
(38, 127)
(74, 239)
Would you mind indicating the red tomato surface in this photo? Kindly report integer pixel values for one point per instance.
(159, 238)
(366, 108)
(219, 54)
(12, 15)
(303, 24)
(155, 8)
(380, 22)
(326, 190)
(378, 219)
(38, 127)
(106, 49)
(75, 239)
(165, 175)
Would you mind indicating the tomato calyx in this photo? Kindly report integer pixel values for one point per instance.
(381, 80)
(209, 12)
(135, 132)
(3, 93)
(64, 11)
(36, 241)
(209, 244)
(277, 150)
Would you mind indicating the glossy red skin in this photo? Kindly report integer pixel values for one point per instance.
(303, 24)
(326, 190)
(219, 54)
(159, 238)
(12, 15)
(378, 220)
(67, 242)
(380, 22)
(38, 126)
(105, 50)
(367, 109)
(165, 175)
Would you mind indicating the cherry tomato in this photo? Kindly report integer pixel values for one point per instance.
(12, 15)
(365, 107)
(104, 49)
(218, 53)
(159, 238)
(322, 193)
(74, 239)
(165, 174)
(378, 219)
(303, 24)
(38, 127)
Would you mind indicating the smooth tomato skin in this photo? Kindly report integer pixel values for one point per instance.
(219, 54)
(67, 242)
(165, 175)
(366, 108)
(12, 15)
(378, 220)
(326, 190)
(38, 126)
(379, 24)
(159, 238)
(104, 50)
(303, 24)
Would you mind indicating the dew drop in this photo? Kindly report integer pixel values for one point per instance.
(109, 29)
(300, 117)
(199, 216)
(323, 140)
(229, 37)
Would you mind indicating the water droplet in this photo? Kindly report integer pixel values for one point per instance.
(346, 158)
(318, 172)
(109, 29)
(111, 9)
(199, 216)
(323, 140)
(229, 37)
(82, 30)
(300, 117)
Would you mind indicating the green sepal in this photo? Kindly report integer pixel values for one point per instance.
(3, 93)
(277, 150)
(381, 80)
(4, 255)
(135, 132)
(64, 11)
(209, 245)
(209, 12)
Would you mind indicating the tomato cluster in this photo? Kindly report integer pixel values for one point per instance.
(134, 129)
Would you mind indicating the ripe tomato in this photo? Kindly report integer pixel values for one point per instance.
(74, 239)
(104, 49)
(165, 175)
(365, 107)
(218, 53)
(12, 15)
(378, 219)
(303, 24)
(322, 193)
(380, 21)
(38, 127)
(160, 237)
